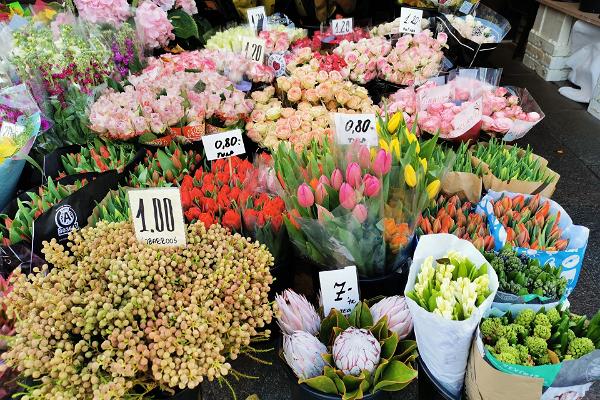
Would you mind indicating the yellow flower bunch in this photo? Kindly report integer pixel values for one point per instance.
(8, 148)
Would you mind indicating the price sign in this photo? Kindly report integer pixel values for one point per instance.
(339, 289)
(11, 130)
(351, 127)
(438, 94)
(254, 49)
(410, 20)
(342, 26)
(223, 145)
(257, 18)
(157, 216)
(467, 118)
(466, 7)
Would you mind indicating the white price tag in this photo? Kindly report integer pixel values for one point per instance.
(410, 20)
(438, 94)
(342, 26)
(257, 18)
(351, 127)
(11, 130)
(467, 118)
(223, 145)
(254, 49)
(339, 289)
(157, 216)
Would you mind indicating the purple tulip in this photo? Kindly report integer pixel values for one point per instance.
(306, 197)
(353, 175)
(347, 196)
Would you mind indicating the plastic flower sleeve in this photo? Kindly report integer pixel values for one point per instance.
(491, 76)
(529, 106)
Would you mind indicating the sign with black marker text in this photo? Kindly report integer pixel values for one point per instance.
(410, 20)
(351, 127)
(254, 49)
(342, 26)
(223, 145)
(339, 289)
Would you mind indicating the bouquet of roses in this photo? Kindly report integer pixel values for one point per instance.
(270, 123)
(320, 62)
(277, 38)
(327, 37)
(151, 106)
(335, 204)
(414, 58)
(362, 57)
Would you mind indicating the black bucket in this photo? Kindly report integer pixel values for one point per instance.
(387, 285)
(429, 388)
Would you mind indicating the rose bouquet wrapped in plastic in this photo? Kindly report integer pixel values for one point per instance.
(362, 57)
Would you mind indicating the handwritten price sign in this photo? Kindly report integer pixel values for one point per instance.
(257, 18)
(467, 118)
(351, 127)
(254, 49)
(339, 289)
(11, 130)
(342, 26)
(223, 145)
(438, 94)
(157, 216)
(410, 20)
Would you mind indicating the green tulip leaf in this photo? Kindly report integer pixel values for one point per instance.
(389, 346)
(395, 376)
(321, 383)
(361, 316)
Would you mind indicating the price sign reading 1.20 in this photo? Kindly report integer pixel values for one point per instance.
(342, 26)
(223, 145)
(410, 20)
(157, 216)
(254, 49)
(257, 18)
(351, 127)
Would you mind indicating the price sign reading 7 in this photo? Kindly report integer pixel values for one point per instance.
(339, 289)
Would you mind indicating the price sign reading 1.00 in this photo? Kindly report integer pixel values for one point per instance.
(223, 145)
(410, 20)
(254, 49)
(352, 127)
(342, 26)
(157, 216)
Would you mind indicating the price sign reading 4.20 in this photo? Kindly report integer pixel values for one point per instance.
(157, 216)
(339, 289)
(410, 20)
(223, 145)
(254, 49)
(342, 26)
(351, 127)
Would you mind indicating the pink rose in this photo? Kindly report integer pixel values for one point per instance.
(503, 125)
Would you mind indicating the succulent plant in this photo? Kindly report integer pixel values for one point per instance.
(395, 309)
(356, 350)
(303, 353)
(296, 313)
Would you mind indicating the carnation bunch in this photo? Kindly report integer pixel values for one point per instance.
(115, 328)
(452, 287)
(362, 57)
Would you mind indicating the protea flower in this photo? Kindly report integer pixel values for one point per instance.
(296, 313)
(355, 350)
(397, 312)
(303, 353)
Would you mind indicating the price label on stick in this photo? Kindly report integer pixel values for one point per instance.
(342, 26)
(467, 118)
(410, 20)
(257, 18)
(157, 216)
(11, 130)
(254, 49)
(351, 127)
(339, 289)
(223, 145)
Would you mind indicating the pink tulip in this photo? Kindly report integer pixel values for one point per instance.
(320, 193)
(372, 185)
(323, 214)
(336, 179)
(360, 213)
(306, 197)
(364, 157)
(353, 175)
(324, 180)
(382, 163)
(347, 196)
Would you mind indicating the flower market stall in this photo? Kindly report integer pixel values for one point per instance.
(352, 202)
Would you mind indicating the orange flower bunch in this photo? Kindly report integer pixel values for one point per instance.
(396, 235)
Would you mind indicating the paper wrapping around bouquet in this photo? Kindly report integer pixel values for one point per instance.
(465, 185)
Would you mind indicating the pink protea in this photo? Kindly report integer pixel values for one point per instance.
(153, 26)
(355, 350)
(113, 12)
(398, 315)
(296, 313)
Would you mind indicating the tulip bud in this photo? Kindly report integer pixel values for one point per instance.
(372, 185)
(347, 196)
(433, 188)
(382, 163)
(296, 313)
(324, 180)
(395, 121)
(424, 164)
(336, 179)
(353, 175)
(410, 176)
(395, 147)
(303, 353)
(320, 193)
(364, 157)
(305, 196)
(360, 212)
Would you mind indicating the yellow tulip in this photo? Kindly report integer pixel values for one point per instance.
(395, 121)
(373, 153)
(7, 147)
(418, 148)
(378, 128)
(410, 176)
(395, 147)
(384, 145)
(433, 188)
(424, 164)
(409, 135)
